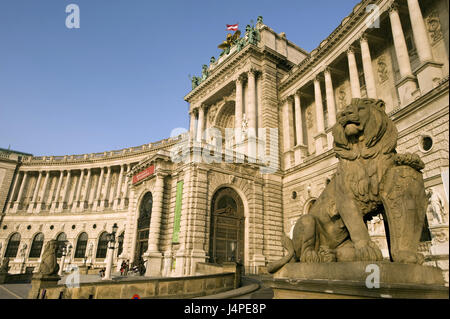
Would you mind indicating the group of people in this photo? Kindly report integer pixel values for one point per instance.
(138, 268)
(124, 268)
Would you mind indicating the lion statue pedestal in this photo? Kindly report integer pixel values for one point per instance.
(358, 280)
(371, 179)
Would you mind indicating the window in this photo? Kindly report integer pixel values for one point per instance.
(102, 245)
(61, 239)
(80, 251)
(120, 248)
(36, 246)
(13, 246)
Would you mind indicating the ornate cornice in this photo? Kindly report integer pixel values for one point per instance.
(357, 15)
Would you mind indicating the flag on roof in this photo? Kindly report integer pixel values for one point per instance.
(232, 27)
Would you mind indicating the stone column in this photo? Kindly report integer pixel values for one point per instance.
(321, 137)
(41, 199)
(353, 73)
(77, 196)
(66, 189)
(99, 189)
(201, 119)
(106, 188)
(407, 85)
(19, 196)
(429, 70)
(251, 103)
(287, 134)
(238, 110)
(11, 199)
(298, 119)
(331, 104)
(36, 190)
(125, 192)
(192, 125)
(300, 150)
(153, 255)
(119, 187)
(86, 189)
(58, 190)
(367, 66)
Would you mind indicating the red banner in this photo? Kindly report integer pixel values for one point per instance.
(143, 174)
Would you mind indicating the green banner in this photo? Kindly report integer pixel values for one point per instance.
(177, 217)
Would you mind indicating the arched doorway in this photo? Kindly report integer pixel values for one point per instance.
(227, 227)
(143, 225)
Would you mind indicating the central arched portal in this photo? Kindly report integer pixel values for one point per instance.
(143, 225)
(227, 227)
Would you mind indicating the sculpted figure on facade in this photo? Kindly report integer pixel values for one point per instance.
(371, 178)
(436, 207)
(49, 265)
(4, 266)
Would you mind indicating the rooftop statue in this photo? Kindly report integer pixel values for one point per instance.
(252, 35)
(371, 178)
(259, 20)
(195, 81)
(229, 42)
(205, 72)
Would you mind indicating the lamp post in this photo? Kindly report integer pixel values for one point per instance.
(63, 259)
(110, 254)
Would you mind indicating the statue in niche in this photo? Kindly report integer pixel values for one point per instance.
(371, 179)
(4, 268)
(342, 99)
(434, 26)
(436, 206)
(49, 265)
(382, 69)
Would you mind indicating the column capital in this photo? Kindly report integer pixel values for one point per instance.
(327, 69)
(350, 50)
(317, 78)
(363, 37)
(240, 77)
(298, 92)
(290, 98)
(393, 6)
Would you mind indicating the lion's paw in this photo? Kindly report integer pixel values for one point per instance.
(310, 256)
(408, 257)
(368, 251)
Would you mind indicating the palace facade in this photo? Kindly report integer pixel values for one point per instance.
(176, 205)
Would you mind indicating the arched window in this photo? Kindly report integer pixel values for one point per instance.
(102, 245)
(13, 246)
(80, 251)
(120, 240)
(61, 239)
(143, 224)
(36, 246)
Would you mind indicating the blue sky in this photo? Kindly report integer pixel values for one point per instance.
(119, 80)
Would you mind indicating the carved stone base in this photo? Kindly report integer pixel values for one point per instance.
(153, 265)
(38, 284)
(348, 280)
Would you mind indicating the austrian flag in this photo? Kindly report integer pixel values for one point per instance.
(232, 27)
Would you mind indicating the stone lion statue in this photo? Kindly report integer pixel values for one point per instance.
(49, 265)
(371, 178)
